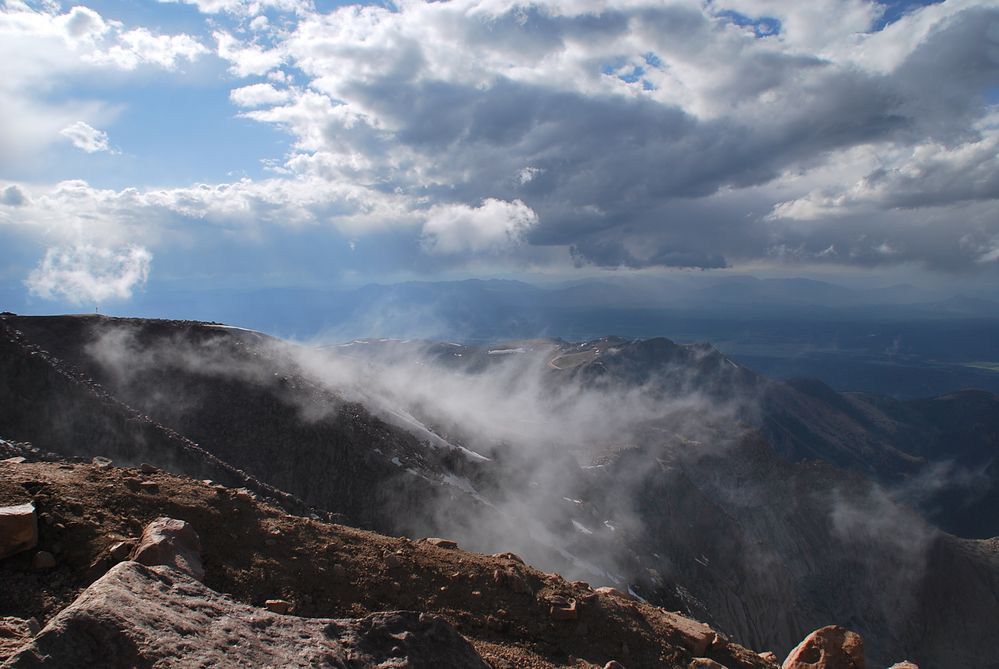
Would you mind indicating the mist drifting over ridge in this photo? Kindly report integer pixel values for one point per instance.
(695, 299)
(562, 463)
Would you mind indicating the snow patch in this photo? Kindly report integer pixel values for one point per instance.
(407, 421)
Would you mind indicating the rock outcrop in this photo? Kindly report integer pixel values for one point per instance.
(830, 647)
(141, 616)
(171, 543)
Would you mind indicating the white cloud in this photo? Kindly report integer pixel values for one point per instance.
(247, 58)
(82, 23)
(42, 49)
(527, 174)
(659, 116)
(928, 174)
(85, 137)
(141, 47)
(492, 227)
(629, 134)
(247, 8)
(47, 41)
(86, 274)
(13, 196)
(259, 95)
(74, 212)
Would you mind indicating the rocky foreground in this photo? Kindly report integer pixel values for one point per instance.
(121, 567)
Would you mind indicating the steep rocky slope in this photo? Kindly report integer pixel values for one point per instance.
(57, 394)
(253, 552)
(717, 507)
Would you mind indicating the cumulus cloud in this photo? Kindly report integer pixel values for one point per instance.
(87, 274)
(42, 49)
(258, 95)
(13, 196)
(74, 209)
(247, 8)
(638, 134)
(247, 58)
(629, 128)
(492, 227)
(85, 137)
(927, 174)
(142, 47)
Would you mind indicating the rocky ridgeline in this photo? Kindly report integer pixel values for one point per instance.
(153, 609)
(149, 604)
(732, 532)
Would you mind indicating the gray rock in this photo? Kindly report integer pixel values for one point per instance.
(155, 616)
(18, 529)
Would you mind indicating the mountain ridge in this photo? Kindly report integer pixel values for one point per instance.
(638, 540)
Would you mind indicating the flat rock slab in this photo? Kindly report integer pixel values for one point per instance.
(139, 616)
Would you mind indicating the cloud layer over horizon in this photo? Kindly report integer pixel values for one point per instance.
(431, 136)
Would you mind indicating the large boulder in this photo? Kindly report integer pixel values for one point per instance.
(18, 529)
(171, 543)
(830, 647)
(138, 616)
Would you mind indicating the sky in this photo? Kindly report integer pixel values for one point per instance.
(225, 144)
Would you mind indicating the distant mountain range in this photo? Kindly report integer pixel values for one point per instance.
(766, 508)
(897, 340)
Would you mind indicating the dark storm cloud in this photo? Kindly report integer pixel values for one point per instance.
(607, 169)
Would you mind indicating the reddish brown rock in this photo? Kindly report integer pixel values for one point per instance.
(138, 616)
(830, 647)
(509, 556)
(15, 632)
(277, 606)
(18, 529)
(150, 487)
(563, 609)
(694, 636)
(171, 543)
(769, 656)
(704, 663)
(612, 592)
(441, 543)
(121, 550)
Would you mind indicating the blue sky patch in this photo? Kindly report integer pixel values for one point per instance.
(764, 26)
